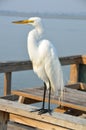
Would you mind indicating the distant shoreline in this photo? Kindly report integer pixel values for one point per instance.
(44, 15)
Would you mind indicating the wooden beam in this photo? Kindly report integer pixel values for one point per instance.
(78, 85)
(7, 83)
(73, 86)
(71, 99)
(24, 115)
(35, 123)
(83, 60)
(17, 126)
(68, 60)
(15, 66)
(27, 65)
(4, 117)
(74, 70)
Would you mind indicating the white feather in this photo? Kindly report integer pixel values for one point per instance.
(44, 58)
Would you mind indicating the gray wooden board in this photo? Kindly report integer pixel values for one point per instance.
(55, 119)
(27, 65)
(72, 97)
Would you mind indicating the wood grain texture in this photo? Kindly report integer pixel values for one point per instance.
(72, 98)
(4, 117)
(7, 83)
(22, 113)
(27, 65)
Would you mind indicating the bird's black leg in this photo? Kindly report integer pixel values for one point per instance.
(49, 98)
(49, 110)
(43, 105)
(42, 110)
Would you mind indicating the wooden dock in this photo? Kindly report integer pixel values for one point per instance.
(21, 113)
(16, 105)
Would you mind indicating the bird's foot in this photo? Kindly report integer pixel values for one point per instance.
(42, 111)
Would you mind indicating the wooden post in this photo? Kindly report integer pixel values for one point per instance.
(74, 71)
(7, 83)
(4, 117)
(21, 99)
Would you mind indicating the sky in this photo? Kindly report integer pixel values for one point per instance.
(43, 6)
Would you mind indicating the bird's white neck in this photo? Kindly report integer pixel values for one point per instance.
(33, 42)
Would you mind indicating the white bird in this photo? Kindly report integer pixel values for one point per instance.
(45, 60)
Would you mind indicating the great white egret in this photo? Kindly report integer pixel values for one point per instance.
(44, 60)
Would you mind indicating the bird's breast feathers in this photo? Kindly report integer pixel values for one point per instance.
(45, 55)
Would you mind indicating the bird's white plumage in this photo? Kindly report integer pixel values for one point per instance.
(44, 58)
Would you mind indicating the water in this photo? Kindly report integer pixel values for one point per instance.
(69, 37)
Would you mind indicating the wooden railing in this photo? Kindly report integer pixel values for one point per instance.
(7, 68)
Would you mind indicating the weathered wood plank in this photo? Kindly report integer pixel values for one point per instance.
(78, 85)
(17, 126)
(24, 115)
(4, 117)
(7, 83)
(72, 98)
(35, 123)
(27, 65)
(68, 60)
(15, 66)
(38, 93)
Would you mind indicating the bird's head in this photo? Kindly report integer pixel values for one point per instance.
(35, 21)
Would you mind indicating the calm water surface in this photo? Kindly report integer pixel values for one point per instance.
(69, 37)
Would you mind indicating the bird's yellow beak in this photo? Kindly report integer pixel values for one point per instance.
(23, 21)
